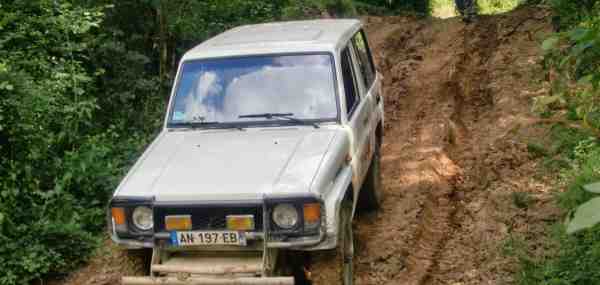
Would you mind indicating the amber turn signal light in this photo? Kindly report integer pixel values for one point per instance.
(119, 219)
(118, 215)
(312, 213)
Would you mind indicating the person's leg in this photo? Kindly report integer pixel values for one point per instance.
(470, 10)
(460, 6)
(472, 7)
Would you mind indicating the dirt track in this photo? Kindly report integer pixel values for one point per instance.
(458, 120)
(457, 107)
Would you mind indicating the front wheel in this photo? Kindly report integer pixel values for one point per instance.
(336, 266)
(371, 194)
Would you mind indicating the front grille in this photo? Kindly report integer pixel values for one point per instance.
(207, 217)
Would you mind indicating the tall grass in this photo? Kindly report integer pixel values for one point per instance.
(567, 259)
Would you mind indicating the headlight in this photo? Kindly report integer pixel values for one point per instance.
(285, 216)
(142, 218)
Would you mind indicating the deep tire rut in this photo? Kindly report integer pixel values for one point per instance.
(425, 166)
(439, 92)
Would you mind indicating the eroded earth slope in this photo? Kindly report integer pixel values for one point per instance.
(455, 150)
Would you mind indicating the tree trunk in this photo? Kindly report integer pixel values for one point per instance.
(163, 47)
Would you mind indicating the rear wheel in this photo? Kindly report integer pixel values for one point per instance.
(370, 197)
(336, 266)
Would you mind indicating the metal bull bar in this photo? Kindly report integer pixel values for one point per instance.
(244, 267)
(207, 270)
(208, 281)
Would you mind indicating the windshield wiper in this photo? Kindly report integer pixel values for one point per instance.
(287, 116)
(194, 124)
(207, 125)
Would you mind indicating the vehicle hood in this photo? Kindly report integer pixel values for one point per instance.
(228, 164)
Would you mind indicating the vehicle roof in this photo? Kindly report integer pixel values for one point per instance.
(277, 37)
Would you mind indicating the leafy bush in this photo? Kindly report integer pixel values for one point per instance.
(307, 9)
(575, 263)
(572, 259)
(585, 170)
(573, 12)
(572, 58)
(60, 159)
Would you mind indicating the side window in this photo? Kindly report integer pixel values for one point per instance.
(367, 67)
(352, 98)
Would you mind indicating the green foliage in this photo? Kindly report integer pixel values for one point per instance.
(575, 263)
(587, 214)
(575, 53)
(576, 154)
(585, 170)
(565, 140)
(571, 259)
(572, 57)
(585, 217)
(521, 200)
(211, 17)
(593, 188)
(306, 9)
(61, 152)
(572, 13)
(43, 99)
(537, 150)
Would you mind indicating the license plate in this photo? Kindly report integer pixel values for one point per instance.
(190, 238)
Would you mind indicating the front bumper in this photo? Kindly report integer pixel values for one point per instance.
(190, 268)
(272, 238)
(297, 243)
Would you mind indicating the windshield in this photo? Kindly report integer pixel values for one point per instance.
(219, 91)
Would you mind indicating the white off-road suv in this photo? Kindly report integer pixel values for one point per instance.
(270, 143)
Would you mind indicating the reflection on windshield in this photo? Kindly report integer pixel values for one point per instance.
(222, 89)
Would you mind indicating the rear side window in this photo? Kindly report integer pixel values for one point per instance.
(352, 98)
(365, 61)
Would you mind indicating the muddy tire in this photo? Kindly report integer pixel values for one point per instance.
(371, 194)
(336, 266)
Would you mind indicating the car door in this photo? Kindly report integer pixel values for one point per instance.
(357, 115)
(369, 80)
(366, 76)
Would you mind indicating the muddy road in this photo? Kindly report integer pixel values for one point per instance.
(458, 103)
